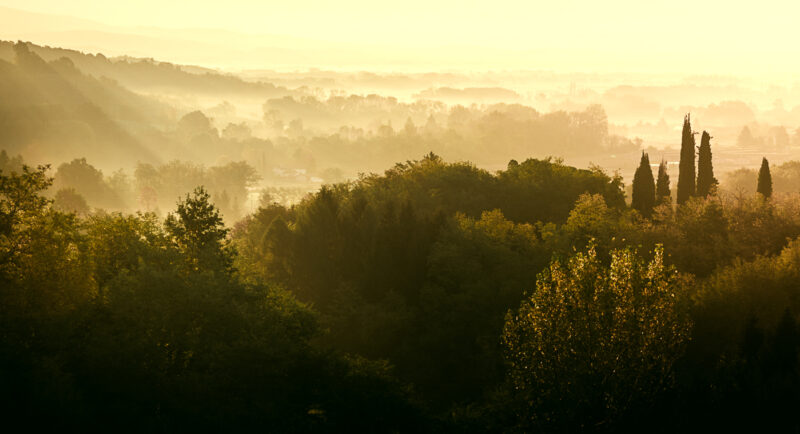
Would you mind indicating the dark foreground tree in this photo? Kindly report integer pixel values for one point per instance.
(764, 180)
(121, 321)
(705, 170)
(644, 189)
(686, 177)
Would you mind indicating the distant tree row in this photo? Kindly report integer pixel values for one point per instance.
(648, 193)
(79, 186)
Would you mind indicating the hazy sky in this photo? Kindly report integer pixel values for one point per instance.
(730, 34)
(498, 23)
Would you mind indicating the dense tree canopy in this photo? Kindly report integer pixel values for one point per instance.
(103, 322)
(435, 297)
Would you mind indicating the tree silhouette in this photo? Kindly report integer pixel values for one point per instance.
(68, 200)
(663, 194)
(705, 169)
(198, 231)
(686, 179)
(764, 180)
(644, 189)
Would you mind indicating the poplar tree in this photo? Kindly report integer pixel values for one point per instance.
(705, 169)
(764, 180)
(663, 194)
(644, 189)
(686, 180)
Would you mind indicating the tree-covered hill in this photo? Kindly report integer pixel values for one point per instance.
(52, 111)
(151, 75)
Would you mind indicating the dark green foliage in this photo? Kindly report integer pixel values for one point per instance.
(120, 321)
(697, 236)
(396, 275)
(742, 359)
(197, 230)
(545, 190)
(382, 305)
(476, 271)
(399, 264)
(644, 190)
(706, 183)
(663, 193)
(764, 180)
(686, 171)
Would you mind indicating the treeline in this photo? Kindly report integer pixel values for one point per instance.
(79, 188)
(489, 134)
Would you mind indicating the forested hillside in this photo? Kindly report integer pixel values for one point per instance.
(151, 75)
(54, 111)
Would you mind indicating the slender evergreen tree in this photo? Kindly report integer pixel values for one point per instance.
(644, 188)
(663, 194)
(686, 179)
(705, 169)
(764, 180)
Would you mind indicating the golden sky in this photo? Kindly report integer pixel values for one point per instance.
(677, 35)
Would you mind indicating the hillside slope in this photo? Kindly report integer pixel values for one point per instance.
(153, 76)
(51, 111)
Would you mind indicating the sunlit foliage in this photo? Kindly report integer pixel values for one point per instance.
(592, 341)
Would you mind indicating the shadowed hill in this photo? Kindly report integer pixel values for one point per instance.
(52, 111)
(148, 74)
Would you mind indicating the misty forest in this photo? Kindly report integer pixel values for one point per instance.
(189, 248)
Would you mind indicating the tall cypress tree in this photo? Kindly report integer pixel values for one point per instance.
(705, 169)
(644, 188)
(686, 178)
(663, 194)
(764, 180)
